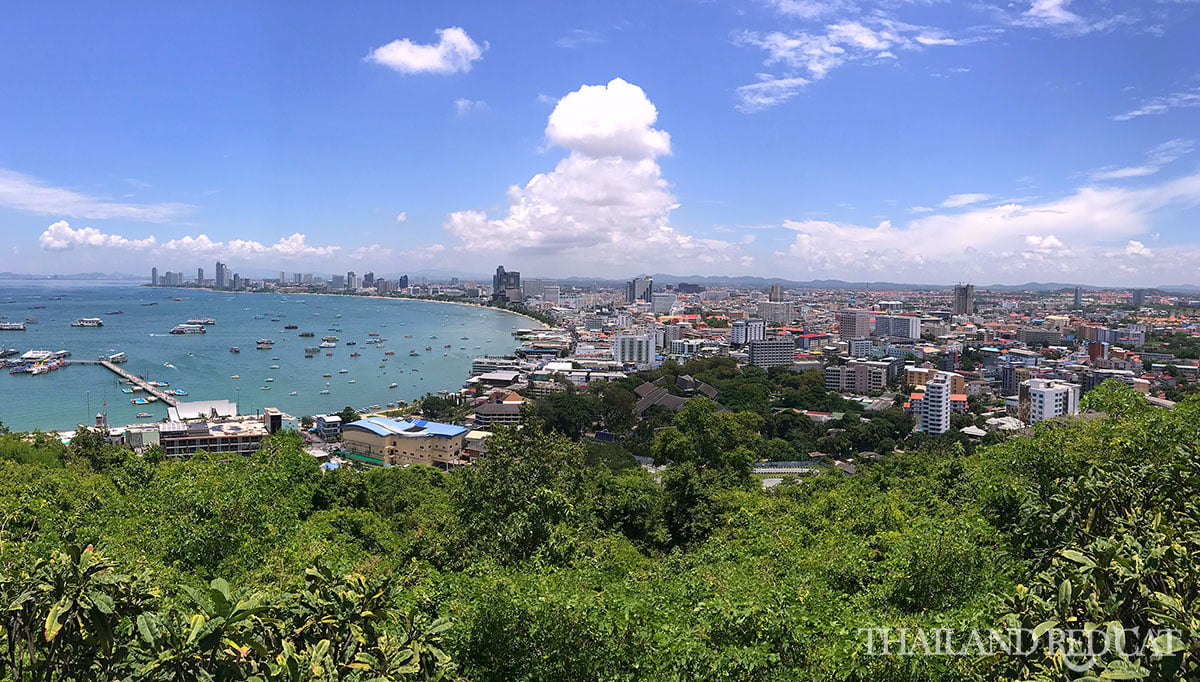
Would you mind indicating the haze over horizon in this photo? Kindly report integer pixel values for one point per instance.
(882, 140)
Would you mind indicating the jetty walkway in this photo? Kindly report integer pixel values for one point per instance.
(133, 379)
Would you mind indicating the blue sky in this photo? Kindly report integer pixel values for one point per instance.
(903, 140)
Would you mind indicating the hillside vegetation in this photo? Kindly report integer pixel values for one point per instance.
(555, 560)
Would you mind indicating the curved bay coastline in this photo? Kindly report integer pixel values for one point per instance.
(203, 365)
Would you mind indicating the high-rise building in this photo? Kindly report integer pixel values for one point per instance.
(1048, 398)
(402, 283)
(935, 405)
(635, 349)
(638, 289)
(506, 286)
(222, 276)
(199, 276)
(964, 299)
(772, 351)
(685, 288)
(351, 280)
(1139, 297)
(282, 278)
(368, 280)
(745, 331)
(1077, 301)
(661, 303)
(154, 276)
(860, 347)
(853, 324)
(898, 326)
(776, 312)
(550, 294)
(776, 293)
(337, 282)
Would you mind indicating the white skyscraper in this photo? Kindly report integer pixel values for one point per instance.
(898, 326)
(935, 406)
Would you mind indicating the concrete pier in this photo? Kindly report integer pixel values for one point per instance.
(135, 380)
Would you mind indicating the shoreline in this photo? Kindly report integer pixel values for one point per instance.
(377, 297)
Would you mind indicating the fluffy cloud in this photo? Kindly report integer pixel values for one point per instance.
(608, 120)
(605, 204)
(1165, 153)
(28, 194)
(402, 217)
(1068, 235)
(60, 236)
(453, 52)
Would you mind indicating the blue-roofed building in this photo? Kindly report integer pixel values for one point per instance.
(380, 441)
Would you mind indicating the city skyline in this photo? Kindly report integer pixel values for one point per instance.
(878, 141)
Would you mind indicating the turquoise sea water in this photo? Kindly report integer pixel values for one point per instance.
(202, 364)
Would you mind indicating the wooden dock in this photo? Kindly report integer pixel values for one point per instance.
(135, 380)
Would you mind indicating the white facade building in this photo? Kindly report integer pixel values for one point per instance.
(773, 351)
(860, 347)
(899, 326)
(935, 406)
(1050, 398)
(636, 349)
(745, 331)
(661, 303)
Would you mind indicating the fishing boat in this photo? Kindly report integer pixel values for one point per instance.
(326, 375)
(235, 349)
(351, 343)
(307, 335)
(389, 352)
(373, 334)
(290, 326)
(356, 355)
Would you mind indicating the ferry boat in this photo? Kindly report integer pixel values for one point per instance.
(12, 326)
(202, 320)
(307, 335)
(235, 349)
(7, 352)
(88, 322)
(328, 344)
(329, 338)
(263, 346)
(188, 328)
(118, 358)
(291, 326)
(266, 342)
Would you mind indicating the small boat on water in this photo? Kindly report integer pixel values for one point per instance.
(270, 379)
(292, 393)
(356, 355)
(290, 326)
(389, 352)
(326, 375)
(325, 391)
(354, 381)
(264, 388)
(178, 391)
(343, 371)
(392, 385)
(140, 401)
(307, 335)
(235, 376)
(143, 415)
(235, 349)
(273, 367)
(413, 353)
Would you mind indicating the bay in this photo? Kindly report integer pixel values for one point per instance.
(203, 365)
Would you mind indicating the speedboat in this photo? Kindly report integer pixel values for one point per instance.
(236, 376)
(264, 388)
(143, 415)
(325, 392)
(392, 385)
(354, 381)
(292, 393)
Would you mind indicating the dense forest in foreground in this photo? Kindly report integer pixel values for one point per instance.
(556, 560)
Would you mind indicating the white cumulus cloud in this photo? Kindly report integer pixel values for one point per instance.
(608, 120)
(605, 205)
(402, 216)
(454, 52)
(960, 200)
